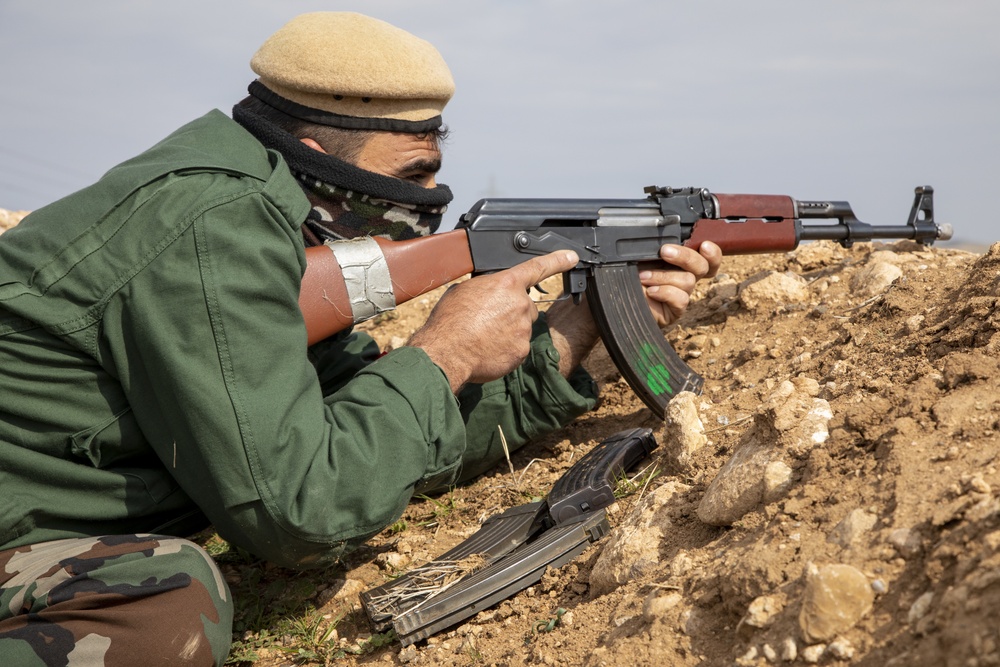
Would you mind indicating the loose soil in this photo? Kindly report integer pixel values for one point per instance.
(899, 488)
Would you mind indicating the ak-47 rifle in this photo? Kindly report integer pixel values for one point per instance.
(360, 278)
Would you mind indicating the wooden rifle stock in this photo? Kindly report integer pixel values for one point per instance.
(416, 266)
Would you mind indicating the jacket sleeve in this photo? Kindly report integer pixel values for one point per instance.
(340, 357)
(531, 401)
(210, 346)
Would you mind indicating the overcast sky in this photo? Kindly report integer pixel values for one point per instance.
(857, 99)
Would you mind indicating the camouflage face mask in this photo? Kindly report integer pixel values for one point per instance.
(348, 201)
(339, 213)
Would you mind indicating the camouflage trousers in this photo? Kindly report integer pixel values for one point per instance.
(113, 601)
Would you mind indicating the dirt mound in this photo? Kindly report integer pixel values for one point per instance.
(828, 498)
(836, 508)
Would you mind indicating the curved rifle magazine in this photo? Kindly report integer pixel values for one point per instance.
(633, 340)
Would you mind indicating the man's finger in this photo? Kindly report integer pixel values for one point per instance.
(654, 280)
(685, 259)
(713, 254)
(537, 269)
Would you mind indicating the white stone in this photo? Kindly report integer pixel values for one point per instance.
(812, 654)
(771, 289)
(633, 549)
(789, 650)
(762, 610)
(841, 649)
(834, 599)
(914, 324)
(920, 607)
(683, 431)
(855, 524)
(777, 480)
(790, 423)
(749, 658)
(656, 605)
(906, 541)
(875, 278)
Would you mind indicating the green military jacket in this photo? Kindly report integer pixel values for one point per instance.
(154, 370)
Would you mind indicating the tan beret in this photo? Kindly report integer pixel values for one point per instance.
(350, 70)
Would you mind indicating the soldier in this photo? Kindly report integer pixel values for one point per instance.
(155, 374)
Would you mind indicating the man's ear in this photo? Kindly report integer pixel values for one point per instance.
(313, 144)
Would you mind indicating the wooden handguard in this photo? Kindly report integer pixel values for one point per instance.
(745, 237)
(749, 224)
(416, 266)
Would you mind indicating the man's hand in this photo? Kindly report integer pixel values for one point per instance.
(668, 288)
(668, 291)
(480, 330)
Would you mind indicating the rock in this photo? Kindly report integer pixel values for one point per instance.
(769, 290)
(657, 605)
(974, 483)
(749, 658)
(761, 612)
(739, 486)
(722, 289)
(392, 561)
(920, 607)
(914, 324)
(906, 541)
(812, 654)
(467, 645)
(341, 589)
(683, 430)
(835, 598)
(681, 564)
(818, 254)
(887, 256)
(876, 277)
(789, 650)
(789, 424)
(777, 481)
(854, 525)
(797, 414)
(690, 622)
(841, 649)
(633, 548)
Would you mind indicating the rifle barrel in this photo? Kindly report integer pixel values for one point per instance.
(856, 231)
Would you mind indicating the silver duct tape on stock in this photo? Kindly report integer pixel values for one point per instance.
(366, 275)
